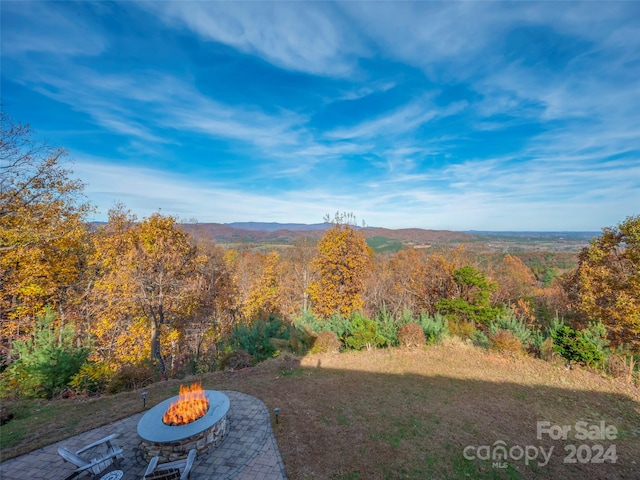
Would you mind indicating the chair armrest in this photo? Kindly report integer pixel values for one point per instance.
(71, 457)
(106, 440)
(152, 466)
(187, 469)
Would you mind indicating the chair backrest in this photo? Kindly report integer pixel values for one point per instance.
(72, 457)
(171, 474)
(176, 470)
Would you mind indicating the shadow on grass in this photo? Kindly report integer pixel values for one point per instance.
(336, 423)
(348, 423)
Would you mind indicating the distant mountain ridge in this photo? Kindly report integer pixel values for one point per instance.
(287, 232)
(275, 226)
(273, 233)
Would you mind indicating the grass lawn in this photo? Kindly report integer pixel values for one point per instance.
(392, 414)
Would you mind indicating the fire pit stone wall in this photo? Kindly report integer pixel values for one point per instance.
(174, 442)
(170, 451)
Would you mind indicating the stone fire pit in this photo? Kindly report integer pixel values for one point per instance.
(173, 442)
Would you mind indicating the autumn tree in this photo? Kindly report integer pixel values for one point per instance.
(377, 290)
(342, 261)
(514, 280)
(516, 285)
(263, 299)
(219, 306)
(111, 313)
(43, 237)
(605, 286)
(297, 275)
(155, 278)
(413, 280)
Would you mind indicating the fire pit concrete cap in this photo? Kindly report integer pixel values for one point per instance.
(152, 429)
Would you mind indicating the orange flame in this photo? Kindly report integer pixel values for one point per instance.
(191, 405)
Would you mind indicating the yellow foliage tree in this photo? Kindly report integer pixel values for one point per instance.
(149, 274)
(43, 237)
(342, 262)
(605, 286)
(263, 297)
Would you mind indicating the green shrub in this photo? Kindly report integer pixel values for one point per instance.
(335, 323)
(339, 325)
(475, 306)
(536, 341)
(131, 377)
(575, 346)
(236, 360)
(406, 316)
(92, 379)
(555, 324)
(17, 382)
(46, 362)
(363, 333)
(509, 322)
(596, 333)
(411, 335)
(479, 339)
(435, 327)
(255, 338)
(326, 342)
(387, 326)
(308, 319)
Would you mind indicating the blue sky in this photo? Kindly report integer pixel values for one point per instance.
(478, 115)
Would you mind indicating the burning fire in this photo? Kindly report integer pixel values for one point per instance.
(191, 405)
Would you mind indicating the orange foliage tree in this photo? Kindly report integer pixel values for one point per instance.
(342, 262)
(411, 279)
(515, 280)
(516, 286)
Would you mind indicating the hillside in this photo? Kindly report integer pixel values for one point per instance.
(255, 234)
(400, 413)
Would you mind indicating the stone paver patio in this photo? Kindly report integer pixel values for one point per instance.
(249, 451)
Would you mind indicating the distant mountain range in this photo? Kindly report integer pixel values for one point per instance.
(274, 226)
(276, 233)
(273, 233)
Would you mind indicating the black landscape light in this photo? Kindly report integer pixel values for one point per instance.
(276, 411)
(144, 399)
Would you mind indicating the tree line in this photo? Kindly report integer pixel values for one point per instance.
(144, 291)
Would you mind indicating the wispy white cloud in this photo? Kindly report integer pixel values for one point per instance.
(41, 28)
(304, 36)
(474, 130)
(404, 119)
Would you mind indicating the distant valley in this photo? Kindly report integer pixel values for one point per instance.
(273, 235)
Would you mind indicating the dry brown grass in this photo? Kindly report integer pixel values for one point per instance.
(390, 414)
(504, 341)
(411, 335)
